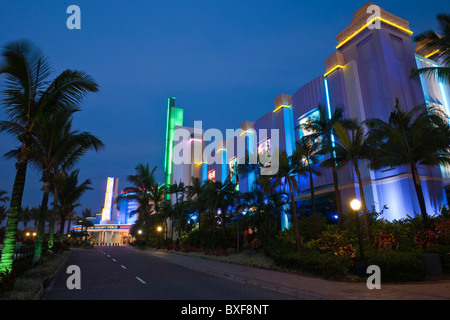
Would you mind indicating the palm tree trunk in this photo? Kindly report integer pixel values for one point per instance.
(9, 243)
(363, 204)
(68, 225)
(51, 231)
(337, 194)
(311, 186)
(41, 228)
(420, 198)
(61, 229)
(294, 216)
(52, 218)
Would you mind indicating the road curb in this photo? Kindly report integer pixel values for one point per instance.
(301, 294)
(47, 279)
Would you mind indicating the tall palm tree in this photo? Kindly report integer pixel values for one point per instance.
(437, 43)
(288, 170)
(57, 149)
(178, 189)
(221, 196)
(144, 181)
(418, 137)
(29, 98)
(309, 152)
(194, 194)
(70, 193)
(83, 220)
(322, 127)
(351, 147)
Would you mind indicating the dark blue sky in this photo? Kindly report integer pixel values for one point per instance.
(224, 61)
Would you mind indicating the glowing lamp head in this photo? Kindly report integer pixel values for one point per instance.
(355, 204)
(159, 229)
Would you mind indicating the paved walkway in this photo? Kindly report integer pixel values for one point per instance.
(312, 288)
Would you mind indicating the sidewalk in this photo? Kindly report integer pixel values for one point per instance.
(311, 288)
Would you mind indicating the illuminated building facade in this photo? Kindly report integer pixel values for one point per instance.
(369, 70)
(112, 225)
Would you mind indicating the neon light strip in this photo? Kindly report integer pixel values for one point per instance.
(329, 111)
(282, 106)
(334, 68)
(249, 131)
(369, 23)
(194, 139)
(431, 54)
(222, 150)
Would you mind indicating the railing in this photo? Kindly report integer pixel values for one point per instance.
(24, 252)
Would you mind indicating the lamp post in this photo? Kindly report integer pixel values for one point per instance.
(356, 206)
(159, 229)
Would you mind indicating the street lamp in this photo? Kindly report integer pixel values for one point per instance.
(355, 204)
(159, 229)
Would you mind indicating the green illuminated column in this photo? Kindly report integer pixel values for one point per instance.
(174, 118)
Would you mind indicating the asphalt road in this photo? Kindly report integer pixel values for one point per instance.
(123, 273)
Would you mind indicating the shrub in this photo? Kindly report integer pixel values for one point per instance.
(443, 231)
(385, 241)
(426, 238)
(346, 251)
(7, 279)
(329, 241)
(397, 266)
(207, 239)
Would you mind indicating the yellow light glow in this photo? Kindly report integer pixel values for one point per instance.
(282, 106)
(221, 150)
(159, 229)
(355, 204)
(334, 68)
(369, 23)
(431, 54)
(249, 131)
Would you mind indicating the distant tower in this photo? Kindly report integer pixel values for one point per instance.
(112, 186)
(174, 119)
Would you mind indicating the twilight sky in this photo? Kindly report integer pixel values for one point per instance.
(224, 61)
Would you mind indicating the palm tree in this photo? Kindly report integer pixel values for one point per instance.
(70, 193)
(220, 196)
(288, 170)
(144, 181)
(179, 190)
(29, 98)
(309, 152)
(3, 197)
(57, 149)
(194, 194)
(83, 220)
(434, 42)
(412, 138)
(351, 147)
(25, 217)
(322, 127)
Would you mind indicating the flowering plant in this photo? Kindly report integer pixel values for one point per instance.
(385, 241)
(346, 251)
(426, 238)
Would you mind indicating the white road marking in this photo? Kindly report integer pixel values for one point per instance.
(143, 282)
(123, 266)
(114, 260)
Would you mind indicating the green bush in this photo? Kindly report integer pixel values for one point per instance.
(397, 266)
(309, 261)
(444, 254)
(207, 239)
